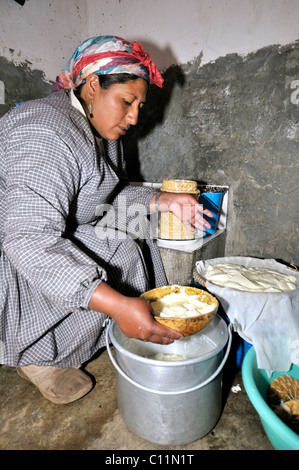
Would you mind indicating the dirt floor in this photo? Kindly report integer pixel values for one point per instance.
(29, 422)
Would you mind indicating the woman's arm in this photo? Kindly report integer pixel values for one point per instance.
(42, 178)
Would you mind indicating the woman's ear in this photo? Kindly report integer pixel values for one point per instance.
(92, 82)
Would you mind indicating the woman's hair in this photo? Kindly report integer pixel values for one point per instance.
(111, 79)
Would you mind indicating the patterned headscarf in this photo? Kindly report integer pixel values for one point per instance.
(104, 55)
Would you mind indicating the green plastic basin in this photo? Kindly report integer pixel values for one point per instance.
(256, 383)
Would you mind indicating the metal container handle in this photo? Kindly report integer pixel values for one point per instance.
(172, 392)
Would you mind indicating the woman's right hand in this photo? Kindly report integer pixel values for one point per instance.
(133, 315)
(136, 320)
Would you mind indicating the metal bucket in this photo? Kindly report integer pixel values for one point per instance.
(165, 402)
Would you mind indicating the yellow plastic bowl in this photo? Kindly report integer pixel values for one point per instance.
(187, 326)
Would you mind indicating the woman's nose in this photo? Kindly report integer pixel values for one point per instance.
(133, 116)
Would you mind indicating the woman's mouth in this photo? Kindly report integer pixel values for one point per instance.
(123, 130)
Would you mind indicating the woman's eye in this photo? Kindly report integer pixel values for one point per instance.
(127, 103)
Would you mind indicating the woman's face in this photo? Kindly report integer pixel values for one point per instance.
(117, 108)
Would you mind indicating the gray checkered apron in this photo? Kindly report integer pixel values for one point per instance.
(54, 180)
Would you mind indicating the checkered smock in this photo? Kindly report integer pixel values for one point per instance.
(57, 242)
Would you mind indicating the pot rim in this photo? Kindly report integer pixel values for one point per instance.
(160, 363)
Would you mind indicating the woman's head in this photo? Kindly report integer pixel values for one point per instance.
(111, 78)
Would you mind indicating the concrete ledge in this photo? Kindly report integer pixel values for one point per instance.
(179, 265)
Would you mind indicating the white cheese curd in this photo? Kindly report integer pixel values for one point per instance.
(250, 279)
(180, 305)
(167, 357)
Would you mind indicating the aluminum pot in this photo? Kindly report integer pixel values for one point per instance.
(165, 402)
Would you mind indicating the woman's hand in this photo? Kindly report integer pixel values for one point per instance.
(136, 321)
(185, 207)
(132, 314)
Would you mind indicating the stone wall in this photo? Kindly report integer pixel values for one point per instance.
(234, 122)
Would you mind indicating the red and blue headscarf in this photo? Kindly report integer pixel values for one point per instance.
(104, 55)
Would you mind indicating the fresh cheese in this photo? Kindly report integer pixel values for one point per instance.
(180, 305)
(167, 357)
(250, 279)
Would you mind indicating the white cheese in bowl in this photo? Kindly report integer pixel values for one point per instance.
(180, 305)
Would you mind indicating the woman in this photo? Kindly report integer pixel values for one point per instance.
(61, 163)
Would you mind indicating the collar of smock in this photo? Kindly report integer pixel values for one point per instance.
(76, 103)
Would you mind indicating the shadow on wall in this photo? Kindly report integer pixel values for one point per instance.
(151, 116)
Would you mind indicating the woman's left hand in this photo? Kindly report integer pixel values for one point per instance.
(186, 208)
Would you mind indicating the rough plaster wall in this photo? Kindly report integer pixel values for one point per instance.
(20, 83)
(45, 32)
(234, 121)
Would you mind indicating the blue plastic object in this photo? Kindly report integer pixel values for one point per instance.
(213, 202)
(256, 382)
(241, 352)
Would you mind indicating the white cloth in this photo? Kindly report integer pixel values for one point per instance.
(268, 320)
